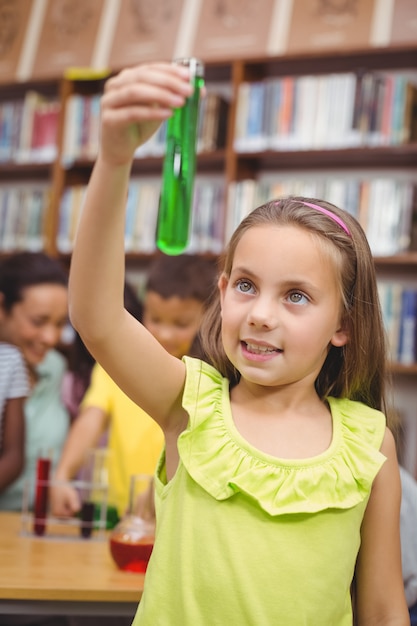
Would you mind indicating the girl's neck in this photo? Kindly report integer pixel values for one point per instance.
(272, 399)
(296, 425)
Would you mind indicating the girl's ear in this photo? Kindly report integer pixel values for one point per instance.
(340, 337)
(222, 285)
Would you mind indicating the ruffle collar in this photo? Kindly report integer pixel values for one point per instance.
(224, 464)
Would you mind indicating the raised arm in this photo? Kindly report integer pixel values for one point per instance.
(134, 104)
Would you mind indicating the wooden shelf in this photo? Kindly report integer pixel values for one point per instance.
(386, 58)
(11, 172)
(408, 370)
(399, 261)
(346, 158)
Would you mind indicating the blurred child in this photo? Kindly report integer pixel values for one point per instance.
(176, 291)
(33, 313)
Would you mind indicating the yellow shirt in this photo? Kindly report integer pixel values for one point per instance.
(135, 440)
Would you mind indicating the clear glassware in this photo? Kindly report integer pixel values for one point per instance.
(131, 541)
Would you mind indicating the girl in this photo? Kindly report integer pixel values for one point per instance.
(279, 484)
(33, 312)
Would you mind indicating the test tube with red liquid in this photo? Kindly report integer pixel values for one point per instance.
(43, 468)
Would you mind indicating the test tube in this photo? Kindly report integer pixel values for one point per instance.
(43, 467)
(178, 171)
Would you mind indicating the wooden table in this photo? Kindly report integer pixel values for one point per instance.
(60, 576)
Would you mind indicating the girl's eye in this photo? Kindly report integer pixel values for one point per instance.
(297, 298)
(244, 286)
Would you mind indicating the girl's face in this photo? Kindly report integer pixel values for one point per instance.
(281, 307)
(35, 323)
(174, 322)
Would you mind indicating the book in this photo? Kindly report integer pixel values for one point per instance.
(7, 112)
(250, 118)
(317, 25)
(404, 22)
(207, 227)
(145, 30)
(67, 36)
(24, 141)
(71, 145)
(212, 123)
(390, 296)
(408, 130)
(10, 218)
(44, 132)
(62, 239)
(407, 351)
(69, 213)
(233, 29)
(37, 205)
(14, 19)
(22, 223)
(131, 209)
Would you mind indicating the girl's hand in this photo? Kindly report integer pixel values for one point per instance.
(64, 499)
(134, 104)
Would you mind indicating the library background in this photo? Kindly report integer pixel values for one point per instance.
(310, 97)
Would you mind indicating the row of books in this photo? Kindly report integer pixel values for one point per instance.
(383, 206)
(81, 134)
(399, 310)
(22, 217)
(28, 129)
(207, 232)
(340, 110)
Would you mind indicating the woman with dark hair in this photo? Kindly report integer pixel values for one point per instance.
(33, 313)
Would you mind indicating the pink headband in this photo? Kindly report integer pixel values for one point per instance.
(330, 214)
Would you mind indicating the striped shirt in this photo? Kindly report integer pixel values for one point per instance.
(14, 381)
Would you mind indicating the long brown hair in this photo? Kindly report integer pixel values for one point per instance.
(358, 370)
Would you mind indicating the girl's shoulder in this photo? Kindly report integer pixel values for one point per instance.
(8, 350)
(11, 361)
(206, 391)
(363, 422)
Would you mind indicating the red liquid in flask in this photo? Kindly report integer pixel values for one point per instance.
(131, 556)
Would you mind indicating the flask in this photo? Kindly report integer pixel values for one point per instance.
(131, 541)
(175, 203)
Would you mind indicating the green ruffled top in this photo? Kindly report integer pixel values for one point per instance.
(247, 538)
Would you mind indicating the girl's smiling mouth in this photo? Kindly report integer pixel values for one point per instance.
(259, 351)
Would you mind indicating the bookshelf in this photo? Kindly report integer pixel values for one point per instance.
(245, 166)
(227, 166)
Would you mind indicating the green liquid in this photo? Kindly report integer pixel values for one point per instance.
(112, 516)
(175, 204)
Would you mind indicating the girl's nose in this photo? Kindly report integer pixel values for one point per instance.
(51, 335)
(164, 332)
(263, 313)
